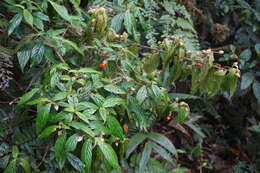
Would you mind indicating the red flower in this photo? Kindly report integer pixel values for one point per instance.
(102, 66)
(126, 128)
(200, 64)
(169, 117)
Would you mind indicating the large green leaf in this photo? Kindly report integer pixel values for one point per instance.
(114, 89)
(61, 10)
(247, 80)
(75, 162)
(163, 141)
(115, 127)
(109, 154)
(145, 156)
(141, 94)
(86, 154)
(117, 21)
(37, 53)
(26, 97)
(83, 127)
(103, 113)
(43, 112)
(111, 102)
(23, 57)
(134, 142)
(15, 21)
(128, 22)
(28, 17)
(48, 131)
(59, 149)
(72, 142)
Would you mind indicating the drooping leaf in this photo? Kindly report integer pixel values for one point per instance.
(117, 21)
(61, 10)
(109, 154)
(26, 97)
(145, 155)
(75, 162)
(163, 141)
(128, 22)
(28, 17)
(163, 153)
(43, 112)
(15, 21)
(115, 127)
(59, 149)
(141, 94)
(37, 53)
(103, 113)
(134, 142)
(82, 116)
(86, 154)
(48, 131)
(23, 57)
(71, 143)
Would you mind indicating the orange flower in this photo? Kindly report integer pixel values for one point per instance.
(126, 128)
(102, 65)
(199, 63)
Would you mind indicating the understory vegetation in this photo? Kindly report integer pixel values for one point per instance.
(132, 86)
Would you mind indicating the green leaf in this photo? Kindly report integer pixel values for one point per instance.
(195, 129)
(23, 57)
(26, 97)
(15, 151)
(182, 96)
(111, 102)
(75, 162)
(163, 141)
(134, 142)
(247, 80)
(38, 100)
(103, 113)
(11, 167)
(82, 116)
(114, 89)
(60, 96)
(86, 154)
(88, 70)
(83, 127)
(115, 127)
(43, 112)
(15, 21)
(25, 163)
(256, 90)
(28, 17)
(117, 21)
(59, 149)
(257, 49)
(61, 10)
(48, 131)
(141, 94)
(157, 92)
(128, 22)
(145, 156)
(41, 16)
(109, 154)
(37, 53)
(246, 54)
(162, 152)
(71, 143)
(38, 23)
(151, 63)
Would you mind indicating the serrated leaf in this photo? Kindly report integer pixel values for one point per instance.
(25, 163)
(61, 10)
(23, 57)
(114, 89)
(59, 149)
(26, 97)
(247, 80)
(128, 22)
(134, 142)
(71, 143)
(28, 17)
(151, 63)
(141, 94)
(103, 113)
(115, 127)
(111, 102)
(48, 131)
(43, 112)
(75, 162)
(15, 21)
(145, 156)
(109, 154)
(83, 127)
(37, 53)
(11, 167)
(163, 141)
(86, 154)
